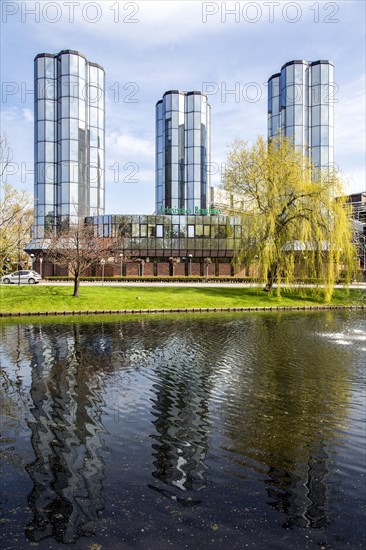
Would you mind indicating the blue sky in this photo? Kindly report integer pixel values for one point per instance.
(148, 47)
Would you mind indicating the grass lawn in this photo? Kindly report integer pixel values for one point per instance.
(59, 298)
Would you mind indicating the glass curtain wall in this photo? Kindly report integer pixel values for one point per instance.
(69, 139)
(182, 151)
(322, 113)
(165, 236)
(300, 107)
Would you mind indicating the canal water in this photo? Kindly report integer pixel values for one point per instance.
(217, 431)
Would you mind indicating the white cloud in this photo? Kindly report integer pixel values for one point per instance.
(28, 116)
(126, 146)
(10, 114)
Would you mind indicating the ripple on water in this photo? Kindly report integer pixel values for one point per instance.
(236, 430)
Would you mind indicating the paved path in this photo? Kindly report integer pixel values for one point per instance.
(187, 284)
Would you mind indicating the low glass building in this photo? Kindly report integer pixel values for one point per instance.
(171, 236)
(171, 245)
(160, 245)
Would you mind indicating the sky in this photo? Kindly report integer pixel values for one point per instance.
(226, 49)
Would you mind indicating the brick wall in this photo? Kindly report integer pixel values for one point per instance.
(179, 270)
(163, 269)
(149, 269)
(131, 269)
(211, 269)
(224, 269)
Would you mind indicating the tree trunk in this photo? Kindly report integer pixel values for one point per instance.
(272, 273)
(76, 286)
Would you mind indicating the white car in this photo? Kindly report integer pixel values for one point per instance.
(24, 276)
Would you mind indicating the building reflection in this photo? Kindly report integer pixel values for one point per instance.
(303, 499)
(274, 402)
(67, 434)
(181, 397)
(285, 417)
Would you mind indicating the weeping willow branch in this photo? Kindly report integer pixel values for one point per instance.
(295, 220)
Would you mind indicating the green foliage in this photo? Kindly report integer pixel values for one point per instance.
(295, 219)
(157, 279)
(16, 218)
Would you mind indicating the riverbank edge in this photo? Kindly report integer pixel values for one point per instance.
(175, 310)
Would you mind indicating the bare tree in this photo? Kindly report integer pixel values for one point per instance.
(77, 249)
(207, 262)
(5, 156)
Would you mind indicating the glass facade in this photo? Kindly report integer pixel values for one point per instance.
(69, 139)
(182, 151)
(300, 106)
(166, 236)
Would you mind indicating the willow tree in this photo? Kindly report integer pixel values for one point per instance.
(293, 216)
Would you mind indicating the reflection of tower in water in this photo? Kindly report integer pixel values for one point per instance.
(285, 415)
(305, 503)
(68, 471)
(180, 407)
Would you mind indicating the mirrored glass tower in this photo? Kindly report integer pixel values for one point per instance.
(300, 106)
(182, 152)
(69, 139)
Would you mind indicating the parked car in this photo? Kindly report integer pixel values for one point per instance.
(24, 276)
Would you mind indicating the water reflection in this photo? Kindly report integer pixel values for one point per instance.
(66, 434)
(244, 413)
(292, 409)
(180, 406)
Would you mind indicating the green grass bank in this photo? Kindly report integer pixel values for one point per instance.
(33, 299)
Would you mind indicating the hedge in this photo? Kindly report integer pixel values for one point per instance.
(162, 279)
(179, 279)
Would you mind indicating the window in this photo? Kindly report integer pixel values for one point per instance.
(143, 230)
(49, 69)
(175, 101)
(65, 64)
(50, 110)
(175, 230)
(207, 231)
(159, 230)
(223, 231)
(74, 64)
(125, 229)
(190, 230)
(199, 230)
(93, 74)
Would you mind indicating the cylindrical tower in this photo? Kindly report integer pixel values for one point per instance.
(300, 107)
(69, 139)
(182, 151)
(321, 80)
